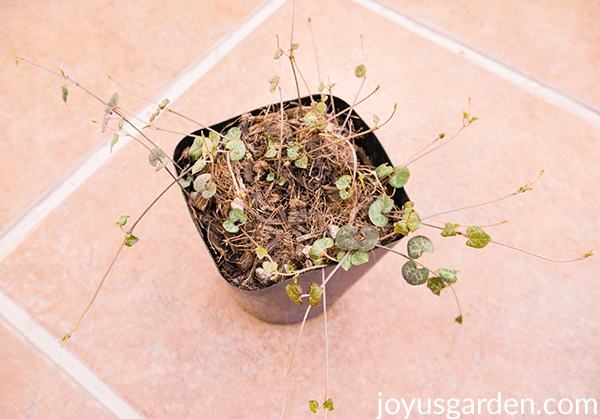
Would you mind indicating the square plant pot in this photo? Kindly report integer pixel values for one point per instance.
(272, 304)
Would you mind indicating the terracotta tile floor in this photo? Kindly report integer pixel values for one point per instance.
(164, 334)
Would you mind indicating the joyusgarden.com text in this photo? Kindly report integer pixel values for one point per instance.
(454, 408)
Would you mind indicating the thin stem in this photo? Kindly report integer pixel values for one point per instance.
(355, 99)
(312, 37)
(68, 335)
(521, 190)
(588, 254)
(287, 381)
(326, 340)
(360, 134)
(414, 159)
(335, 116)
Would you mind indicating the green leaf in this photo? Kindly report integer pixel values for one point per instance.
(271, 153)
(588, 254)
(344, 238)
(270, 177)
(447, 274)
(360, 71)
(477, 237)
(313, 405)
(400, 176)
(130, 240)
(345, 194)
(65, 94)
(155, 155)
(417, 245)
(376, 119)
(412, 275)
(328, 404)
(294, 291)
(401, 228)
(369, 240)
(459, 319)
(233, 133)
(185, 182)
(347, 262)
(195, 151)
(343, 182)
(319, 248)
(302, 162)
(321, 108)
(204, 185)
(261, 252)
(436, 285)
(112, 103)
(198, 166)
(122, 220)
(237, 147)
(310, 118)
(114, 140)
(359, 257)
(407, 209)
(315, 292)
(381, 206)
(269, 266)
(236, 215)
(413, 222)
(295, 46)
(281, 181)
(383, 170)
(321, 87)
(292, 152)
(449, 230)
(121, 120)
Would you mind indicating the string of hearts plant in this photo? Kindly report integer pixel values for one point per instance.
(288, 191)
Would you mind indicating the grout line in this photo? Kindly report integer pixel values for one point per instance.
(39, 337)
(21, 226)
(500, 68)
(29, 219)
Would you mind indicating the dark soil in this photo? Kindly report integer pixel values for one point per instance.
(285, 218)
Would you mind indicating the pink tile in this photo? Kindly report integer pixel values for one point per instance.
(165, 334)
(143, 45)
(556, 41)
(33, 387)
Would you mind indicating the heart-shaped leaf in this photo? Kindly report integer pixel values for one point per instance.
(478, 238)
(449, 230)
(401, 227)
(400, 176)
(294, 291)
(315, 292)
(383, 170)
(238, 149)
(436, 285)
(447, 274)
(233, 133)
(413, 275)
(417, 245)
(319, 248)
(381, 206)
(344, 238)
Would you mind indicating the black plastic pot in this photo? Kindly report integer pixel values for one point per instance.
(272, 304)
